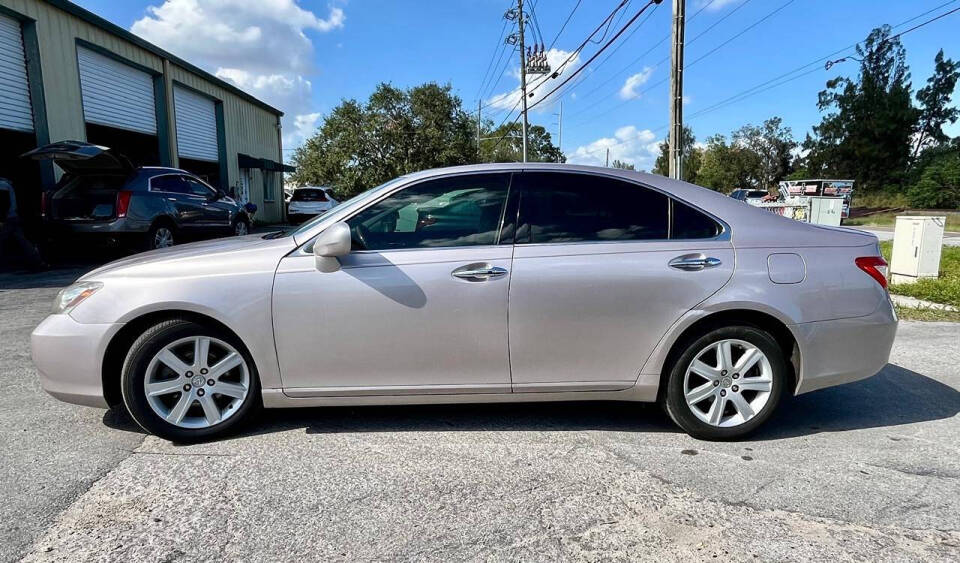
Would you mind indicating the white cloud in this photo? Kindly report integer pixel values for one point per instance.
(629, 89)
(538, 84)
(628, 144)
(262, 47)
(716, 5)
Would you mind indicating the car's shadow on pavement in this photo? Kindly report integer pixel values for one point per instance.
(894, 397)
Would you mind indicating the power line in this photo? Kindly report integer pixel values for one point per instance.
(564, 26)
(597, 54)
(497, 48)
(687, 66)
(804, 70)
(648, 51)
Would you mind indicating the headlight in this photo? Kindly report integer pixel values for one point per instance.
(70, 297)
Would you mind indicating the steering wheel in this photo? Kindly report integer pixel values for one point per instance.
(359, 236)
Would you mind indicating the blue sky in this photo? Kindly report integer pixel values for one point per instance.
(305, 56)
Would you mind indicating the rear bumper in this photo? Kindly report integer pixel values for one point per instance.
(844, 350)
(68, 356)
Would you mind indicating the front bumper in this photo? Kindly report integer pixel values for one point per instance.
(69, 356)
(844, 350)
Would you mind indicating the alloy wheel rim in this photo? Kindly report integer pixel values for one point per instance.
(163, 238)
(196, 382)
(728, 383)
(241, 229)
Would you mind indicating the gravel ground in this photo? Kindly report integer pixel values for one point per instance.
(868, 470)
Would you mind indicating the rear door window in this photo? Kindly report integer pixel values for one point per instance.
(170, 183)
(688, 223)
(558, 207)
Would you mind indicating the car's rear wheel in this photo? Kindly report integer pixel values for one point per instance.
(186, 382)
(726, 383)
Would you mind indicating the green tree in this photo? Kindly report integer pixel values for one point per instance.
(771, 143)
(935, 108)
(939, 183)
(397, 131)
(622, 165)
(725, 167)
(690, 159)
(504, 144)
(867, 133)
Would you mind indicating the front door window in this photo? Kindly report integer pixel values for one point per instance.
(456, 211)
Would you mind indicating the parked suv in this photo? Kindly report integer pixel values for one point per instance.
(102, 193)
(309, 202)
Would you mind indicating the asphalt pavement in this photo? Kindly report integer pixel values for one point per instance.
(865, 471)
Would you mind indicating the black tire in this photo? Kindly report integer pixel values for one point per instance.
(675, 403)
(151, 240)
(135, 370)
(235, 228)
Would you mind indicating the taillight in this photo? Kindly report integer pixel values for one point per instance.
(43, 204)
(123, 202)
(875, 267)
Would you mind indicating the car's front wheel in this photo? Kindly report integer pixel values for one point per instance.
(241, 228)
(726, 383)
(184, 381)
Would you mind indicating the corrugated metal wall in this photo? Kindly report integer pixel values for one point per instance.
(249, 129)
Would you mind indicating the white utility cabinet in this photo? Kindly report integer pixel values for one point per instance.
(917, 243)
(826, 210)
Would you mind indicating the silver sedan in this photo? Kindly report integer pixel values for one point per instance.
(486, 283)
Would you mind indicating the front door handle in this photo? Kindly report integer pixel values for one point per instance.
(694, 262)
(478, 272)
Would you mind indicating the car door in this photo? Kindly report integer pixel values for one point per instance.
(215, 212)
(188, 207)
(418, 307)
(601, 269)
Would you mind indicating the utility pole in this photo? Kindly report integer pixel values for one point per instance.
(608, 157)
(676, 90)
(478, 129)
(560, 131)
(523, 75)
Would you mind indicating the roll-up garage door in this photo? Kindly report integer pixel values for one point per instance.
(15, 110)
(116, 94)
(196, 125)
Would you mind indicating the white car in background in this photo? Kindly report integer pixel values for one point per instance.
(309, 201)
(753, 197)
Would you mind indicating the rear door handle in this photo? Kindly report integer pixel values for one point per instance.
(478, 272)
(694, 262)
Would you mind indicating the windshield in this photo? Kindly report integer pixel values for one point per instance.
(348, 205)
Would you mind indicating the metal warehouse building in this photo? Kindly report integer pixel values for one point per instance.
(68, 74)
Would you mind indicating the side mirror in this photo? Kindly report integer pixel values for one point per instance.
(331, 243)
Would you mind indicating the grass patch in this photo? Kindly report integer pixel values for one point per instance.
(945, 289)
(879, 199)
(929, 315)
(890, 219)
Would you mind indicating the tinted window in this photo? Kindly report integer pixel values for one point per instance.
(558, 207)
(689, 223)
(169, 183)
(457, 211)
(198, 188)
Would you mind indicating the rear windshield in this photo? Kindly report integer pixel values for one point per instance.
(309, 195)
